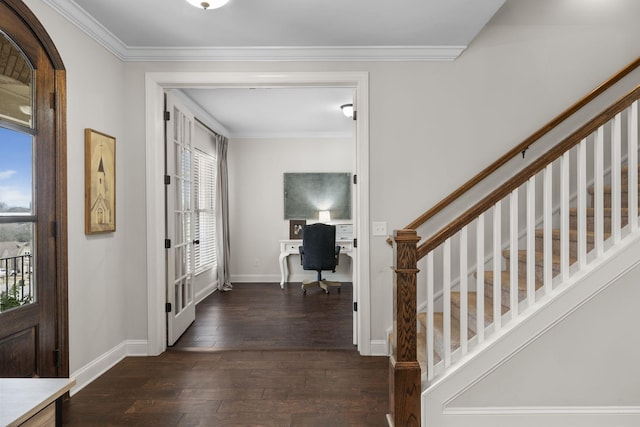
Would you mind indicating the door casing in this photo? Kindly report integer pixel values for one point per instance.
(155, 85)
(22, 26)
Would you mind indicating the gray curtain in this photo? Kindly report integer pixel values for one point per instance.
(222, 215)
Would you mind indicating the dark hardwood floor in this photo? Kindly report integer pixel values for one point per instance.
(262, 316)
(255, 356)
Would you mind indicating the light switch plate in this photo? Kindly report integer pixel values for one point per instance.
(379, 228)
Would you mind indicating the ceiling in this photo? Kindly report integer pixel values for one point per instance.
(299, 112)
(280, 30)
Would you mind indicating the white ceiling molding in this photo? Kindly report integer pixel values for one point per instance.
(293, 53)
(291, 135)
(86, 23)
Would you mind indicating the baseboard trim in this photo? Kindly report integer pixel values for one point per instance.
(92, 370)
(547, 410)
(206, 292)
(379, 348)
(293, 278)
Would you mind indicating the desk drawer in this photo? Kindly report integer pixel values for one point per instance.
(292, 248)
(344, 231)
(345, 247)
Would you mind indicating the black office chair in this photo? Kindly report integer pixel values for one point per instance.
(319, 252)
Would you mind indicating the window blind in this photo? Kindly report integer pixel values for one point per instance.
(205, 227)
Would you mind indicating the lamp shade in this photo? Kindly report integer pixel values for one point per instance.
(211, 4)
(324, 216)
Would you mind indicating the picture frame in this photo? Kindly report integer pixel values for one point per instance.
(99, 182)
(295, 228)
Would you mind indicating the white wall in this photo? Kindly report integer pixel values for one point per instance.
(256, 168)
(105, 274)
(530, 62)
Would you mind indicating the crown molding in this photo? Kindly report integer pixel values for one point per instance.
(295, 53)
(86, 23)
(291, 135)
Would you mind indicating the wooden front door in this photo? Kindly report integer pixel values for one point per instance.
(33, 287)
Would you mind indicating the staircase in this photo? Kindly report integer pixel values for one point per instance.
(504, 291)
(513, 253)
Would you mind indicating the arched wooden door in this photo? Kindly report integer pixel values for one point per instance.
(33, 251)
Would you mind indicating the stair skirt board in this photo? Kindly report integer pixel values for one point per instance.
(551, 309)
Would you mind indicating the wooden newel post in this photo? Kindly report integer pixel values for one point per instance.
(404, 370)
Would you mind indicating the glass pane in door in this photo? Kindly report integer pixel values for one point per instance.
(15, 84)
(16, 173)
(17, 284)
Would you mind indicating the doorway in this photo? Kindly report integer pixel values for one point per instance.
(156, 84)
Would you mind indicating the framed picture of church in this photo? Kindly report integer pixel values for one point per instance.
(99, 182)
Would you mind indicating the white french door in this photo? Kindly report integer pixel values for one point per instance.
(181, 311)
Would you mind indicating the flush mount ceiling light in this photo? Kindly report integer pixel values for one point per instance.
(347, 109)
(211, 4)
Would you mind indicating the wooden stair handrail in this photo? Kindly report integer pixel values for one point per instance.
(524, 175)
(523, 145)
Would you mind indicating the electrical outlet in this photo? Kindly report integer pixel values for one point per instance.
(379, 228)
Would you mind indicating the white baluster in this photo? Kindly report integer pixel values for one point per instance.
(564, 216)
(480, 278)
(446, 300)
(430, 312)
(497, 265)
(581, 211)
(632, 162)
(616, 160)
(547, 207)
(531, 241)
(464, 300)
(598, 179)
(513, 262)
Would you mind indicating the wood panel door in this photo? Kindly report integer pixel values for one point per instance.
(33, 298)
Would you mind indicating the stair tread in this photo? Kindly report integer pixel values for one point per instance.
(505, 280)
(539, 257)
(573, 233)
(624, 211)
(624, 187)
(438, 322)
(472, 304)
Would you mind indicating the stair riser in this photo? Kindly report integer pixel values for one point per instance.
(607, 199)
(505, 294)
(573, 222)
(472, 317)
(556, 243)
(539, 270)
(625, 175)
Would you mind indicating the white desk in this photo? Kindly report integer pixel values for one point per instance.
(290, 247)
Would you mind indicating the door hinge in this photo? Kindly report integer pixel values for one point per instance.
(355, 242)
(56, 357)
(54, 100)
(167, 307)
(54, 229)
(167, 243)
(167, 116)
(355, 179)
(167, 180)
(355, 115)
(355, 306)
